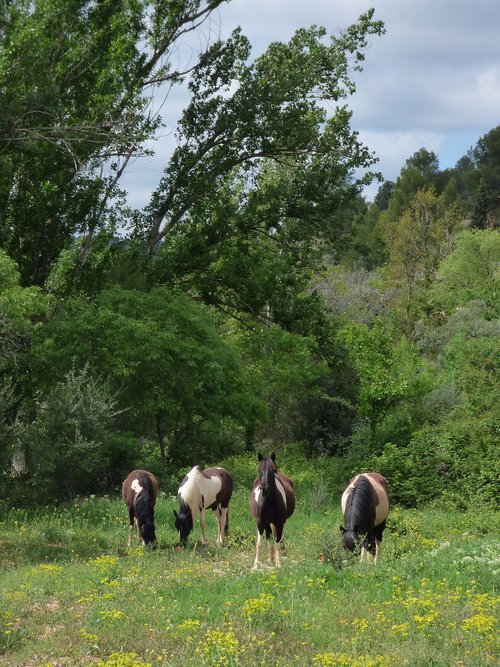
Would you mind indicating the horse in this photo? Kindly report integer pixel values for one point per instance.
(199, 490)
(139, 493)
(365, 505)
(272, 502)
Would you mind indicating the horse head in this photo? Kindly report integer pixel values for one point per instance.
(267, 473)
(183, 524)
(350, 538)
(147, 529)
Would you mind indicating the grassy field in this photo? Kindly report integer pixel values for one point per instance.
(71, 593)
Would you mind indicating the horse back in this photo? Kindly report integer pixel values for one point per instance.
(379, 484)
(223, 495)
(135, 482)
(381, 494)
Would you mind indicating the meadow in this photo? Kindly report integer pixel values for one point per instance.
(72, 594)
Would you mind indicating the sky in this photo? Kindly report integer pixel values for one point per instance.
(432, 81)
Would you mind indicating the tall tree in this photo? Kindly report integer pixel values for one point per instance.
(77, 109)
(77, 78)
(420, 171)
(417, 241)
(480, 209)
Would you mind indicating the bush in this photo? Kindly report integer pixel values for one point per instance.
(69, 445)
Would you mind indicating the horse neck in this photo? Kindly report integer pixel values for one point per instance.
(144, 506)
(270, 493)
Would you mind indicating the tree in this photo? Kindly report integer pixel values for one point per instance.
(77, 78)
(390, 373)
(420, 172)
(22, 310)
(175, 379)
(480, 209)
(60, 131)
(477, 175)
(418, 240)
(469, 273)
(384, 195)
(281, 370)
(68, 444)
(486, 158)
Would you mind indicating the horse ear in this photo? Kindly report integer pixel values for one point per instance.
(259, 456)
(273, 457)
(175, 514)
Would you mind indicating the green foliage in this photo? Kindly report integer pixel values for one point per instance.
(483, 178)
(66, 444)
(480, 210)
(174, 376)
(19, 306)
(281, 370)
(419, 173)
(470, 272)
(358, 295)
(416, 242)
(456, 461)
(389, 370)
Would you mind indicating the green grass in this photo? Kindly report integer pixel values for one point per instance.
(71, 593)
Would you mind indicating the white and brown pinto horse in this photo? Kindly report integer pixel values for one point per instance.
(365, 505)
(139, 492)
(272, 502)
(200, 490)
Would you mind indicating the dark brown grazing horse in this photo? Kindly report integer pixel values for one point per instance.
(139, 492)
(272, 501)
(365, 505)
(212, 489)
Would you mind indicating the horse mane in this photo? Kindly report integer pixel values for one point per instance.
(189, 492)
(359, 501)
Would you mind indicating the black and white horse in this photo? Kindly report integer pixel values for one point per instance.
(365, 505)
(200, 490)
(139, 492)
(272, 502)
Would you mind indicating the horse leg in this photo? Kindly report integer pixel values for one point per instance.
(140, 541)
(378, 539)
(258, 550)
(203, 527)
(223, 523)
(278, 544)
(270, 539)
(220, 525)
(371, 546)
(130, 526)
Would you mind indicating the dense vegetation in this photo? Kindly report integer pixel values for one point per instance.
(257, 300)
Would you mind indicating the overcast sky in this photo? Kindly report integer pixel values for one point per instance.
(433, 80)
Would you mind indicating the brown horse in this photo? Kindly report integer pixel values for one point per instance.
(365, 505)
(211, 488)
(139, 492)
(272, 502)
